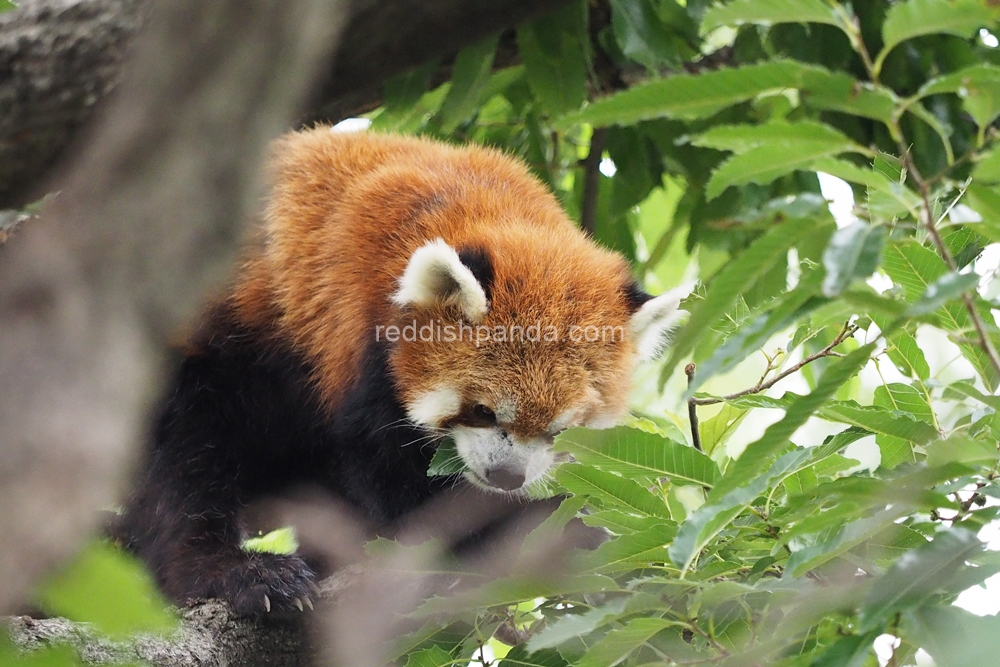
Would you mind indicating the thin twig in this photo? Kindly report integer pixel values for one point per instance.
(592, 180)
(693, 409)
(763, 385)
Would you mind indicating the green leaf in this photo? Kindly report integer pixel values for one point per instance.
(913, 18)
(842, 540)
(964, 389)
(617, 644)
(988, 167)
(978, 86)
(913, 578)
(717, 430)
(435, 656)
(635, 454)
(904, 398)
(688, 95)
(470, 76)
(854, 252)
(514, 590)
(554, 57)
(961, 449)
(953, 636)
(880, 420)
(838, 91)
(903, 350)
(109, 589)
(647, 548)
(640, 33)
(768, 12)
(280, 541)
(572, 626)
(948, 287)
(708, 520)
(768, 151)
(446, 460)
(610, 489)
(986, 202)
(737, 276)
(519, 657)
(401, 96)
(874, 180)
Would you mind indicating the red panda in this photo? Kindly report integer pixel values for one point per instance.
(402, 288)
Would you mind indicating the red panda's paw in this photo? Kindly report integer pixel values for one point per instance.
(269, 584)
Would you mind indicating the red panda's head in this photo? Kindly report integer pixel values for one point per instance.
(504, 344)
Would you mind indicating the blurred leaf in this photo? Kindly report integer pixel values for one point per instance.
(109, 589)
(959, 449)
(913, 18)
(400, 97)
(576, 625)
(514, 590)
(632, 453)
(988, 167)
(953, 636)
(435, 656)
(854, 252)
(618, 643)
(554, 57)
(717, 430)
(985, 200)
(948, 287)
(470, 76)
(917, 575)
(964, 389)
(839, 542)
(874, 180)
(629, 552)
(611, 489)
(768, 12)
(847, 651)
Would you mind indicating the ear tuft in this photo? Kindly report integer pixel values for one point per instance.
(651, 324)
(436, 276)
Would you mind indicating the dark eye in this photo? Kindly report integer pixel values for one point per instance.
(484, 414)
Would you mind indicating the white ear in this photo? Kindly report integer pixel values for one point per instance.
(436, 276)
(650, 326)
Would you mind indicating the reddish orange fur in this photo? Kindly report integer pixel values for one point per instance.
(346, 213)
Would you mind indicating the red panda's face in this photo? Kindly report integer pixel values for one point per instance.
(505, 351)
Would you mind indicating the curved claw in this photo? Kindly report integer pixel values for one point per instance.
(298, 604)
(267, 603)
(309, 603)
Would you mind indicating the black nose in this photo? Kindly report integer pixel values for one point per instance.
(505, 479)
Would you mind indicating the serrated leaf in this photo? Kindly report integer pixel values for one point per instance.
(905, 20)
(904, 398)
(635, 454)
(435, 656)
(903, 350)
(915, 267)
(571, 626)
(879, 420)
(873, 180)
(446, 460)
(742, 138)
(706, 522)
(647, 548)
(620, 642)
(611, 489)
(737, 276)
(717, 430)
(786, 310)
(519, 657)
(470, 76)
(978, 87)
(948, 287)
(688, 95)
(918, 574)
(854, 252)
(768, 12)
(838, 91)
(514, 590)
(765, 163)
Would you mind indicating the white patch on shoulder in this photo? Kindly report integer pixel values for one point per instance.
(650, 325)
(436, 276)
(433, 407)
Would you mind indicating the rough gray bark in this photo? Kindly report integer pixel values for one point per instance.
(146, 222)
(60, 58)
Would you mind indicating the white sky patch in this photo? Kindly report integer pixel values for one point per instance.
(352, 125)
(988, 38)
(608, 167)
(841, 197)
